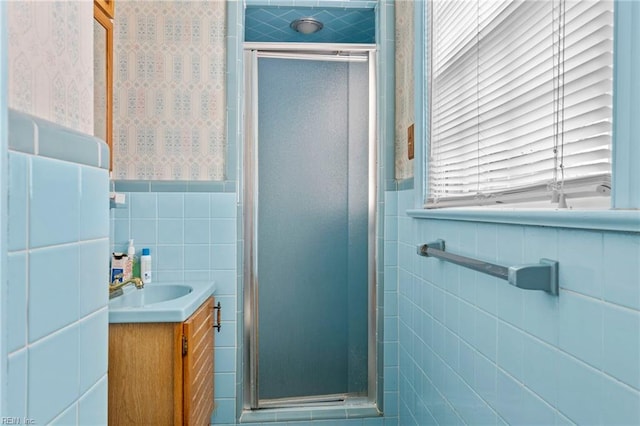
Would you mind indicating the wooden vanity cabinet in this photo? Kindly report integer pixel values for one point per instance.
(162, 373)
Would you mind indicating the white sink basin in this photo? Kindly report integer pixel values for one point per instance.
(159, 302)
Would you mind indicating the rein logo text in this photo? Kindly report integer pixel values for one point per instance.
(16, 421)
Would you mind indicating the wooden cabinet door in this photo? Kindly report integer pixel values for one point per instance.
(198, 366)
(145, 374)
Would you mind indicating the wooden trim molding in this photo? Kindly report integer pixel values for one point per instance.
(103, 19)
(107, 6)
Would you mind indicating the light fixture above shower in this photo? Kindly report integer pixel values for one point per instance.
(348, 23)
(306, 25)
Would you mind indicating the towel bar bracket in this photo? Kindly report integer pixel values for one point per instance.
(436, 245)
(540, 276)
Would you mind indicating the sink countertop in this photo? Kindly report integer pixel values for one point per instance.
(174, 310)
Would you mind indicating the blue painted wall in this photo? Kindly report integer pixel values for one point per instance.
(58, 242)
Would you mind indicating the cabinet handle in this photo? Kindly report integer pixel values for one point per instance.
(217, 325)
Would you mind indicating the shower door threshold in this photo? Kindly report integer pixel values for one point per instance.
(323, 407)
(302, 400)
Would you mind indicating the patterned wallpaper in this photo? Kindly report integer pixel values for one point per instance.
(405, 115)
(169, 90)
(51, 60)
(99, 80)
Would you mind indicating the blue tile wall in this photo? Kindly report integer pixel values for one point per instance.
(474, 350)
(91, 409)
(192, 236)
(189, 234)
(168, 229)
(17, 383)
(17, 294)
(53, 282)
(68, 417)
(195, 235)
(228, 376)
(53, 374)
(390, 303)
(211, 254)
(4, 179)
(57, 263)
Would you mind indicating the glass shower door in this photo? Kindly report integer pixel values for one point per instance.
(312, 195)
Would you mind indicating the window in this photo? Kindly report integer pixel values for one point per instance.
(519, 100)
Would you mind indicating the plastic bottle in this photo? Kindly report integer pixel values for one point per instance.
(131, 260)
(145, 266)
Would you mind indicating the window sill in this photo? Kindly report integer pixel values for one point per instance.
(600, 220)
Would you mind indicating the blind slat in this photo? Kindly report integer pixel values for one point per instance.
(505, 90)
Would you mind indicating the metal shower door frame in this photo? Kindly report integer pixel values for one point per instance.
(330, 52)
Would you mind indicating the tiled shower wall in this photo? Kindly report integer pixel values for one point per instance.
(475, 350)
(192, 236)
(58, 240)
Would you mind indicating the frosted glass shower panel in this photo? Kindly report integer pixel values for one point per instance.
(312, 228)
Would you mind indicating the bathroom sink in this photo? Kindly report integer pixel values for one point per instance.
(149, 295)
(159, 302)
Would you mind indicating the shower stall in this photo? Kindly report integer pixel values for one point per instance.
(309, 226)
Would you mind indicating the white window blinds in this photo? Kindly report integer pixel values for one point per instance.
(520, 99)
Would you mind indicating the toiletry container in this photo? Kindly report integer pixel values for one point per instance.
(131, 261)
(145, 266)
(118, 267)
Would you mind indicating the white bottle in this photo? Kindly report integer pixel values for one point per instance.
(131, 254)
(145, 266)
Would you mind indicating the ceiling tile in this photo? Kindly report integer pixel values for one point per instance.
(341, 25)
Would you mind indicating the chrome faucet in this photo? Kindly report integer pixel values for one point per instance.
(115, 288)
